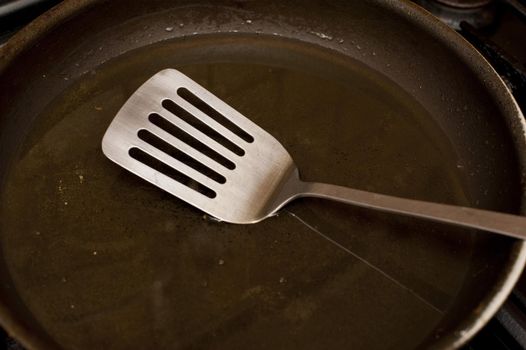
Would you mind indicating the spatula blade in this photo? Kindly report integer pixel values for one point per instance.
(178, 136)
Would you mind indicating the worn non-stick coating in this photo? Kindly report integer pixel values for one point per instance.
(436, 67)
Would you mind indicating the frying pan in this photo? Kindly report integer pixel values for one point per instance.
(371, 94)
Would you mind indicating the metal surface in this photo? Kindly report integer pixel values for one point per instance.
(517, 7)
(511, 70)
(265, 177)
(465, 3)
(438, 69)
(480, 14)
(16, 14)
(13, 6)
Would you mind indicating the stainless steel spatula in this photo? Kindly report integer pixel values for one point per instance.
(177, 135)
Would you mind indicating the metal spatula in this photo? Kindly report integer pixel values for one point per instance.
(177, 135)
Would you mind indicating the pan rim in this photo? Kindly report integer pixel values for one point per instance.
(513, 115)
(30, 35)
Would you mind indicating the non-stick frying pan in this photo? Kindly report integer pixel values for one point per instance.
(376, 95)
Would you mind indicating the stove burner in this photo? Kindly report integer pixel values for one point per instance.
(478, 13)
(464, 4)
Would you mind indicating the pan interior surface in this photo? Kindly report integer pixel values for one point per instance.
(101, 258)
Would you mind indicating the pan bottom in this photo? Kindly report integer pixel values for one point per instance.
(102, 259)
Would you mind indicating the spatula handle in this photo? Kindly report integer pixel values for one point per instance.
(505, 224)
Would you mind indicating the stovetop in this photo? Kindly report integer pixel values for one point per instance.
(495, 27)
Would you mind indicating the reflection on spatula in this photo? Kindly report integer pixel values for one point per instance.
(177, 135)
